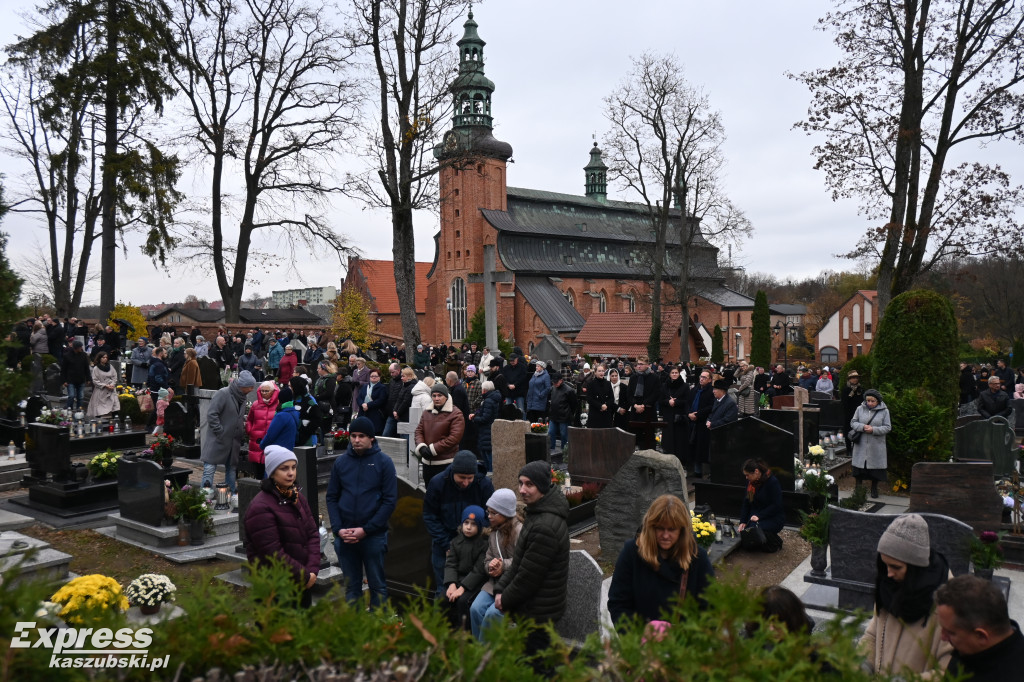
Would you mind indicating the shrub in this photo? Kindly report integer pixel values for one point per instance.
(717, 346)
(130, 408)
(921, 430)
(861, 363)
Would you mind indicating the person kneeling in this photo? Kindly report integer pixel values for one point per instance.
(762, 515)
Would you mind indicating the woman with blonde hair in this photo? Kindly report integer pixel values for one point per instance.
(662, 563)
(190, 375)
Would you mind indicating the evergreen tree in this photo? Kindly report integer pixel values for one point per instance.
(478, 334)
(13, 385)
(761, 332)
(717, 346)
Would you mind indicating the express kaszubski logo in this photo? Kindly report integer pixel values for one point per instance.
(90, 648)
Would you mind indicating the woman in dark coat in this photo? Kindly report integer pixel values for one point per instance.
(620, 398)
(762, 505)
(343, 397)
(484, 417)
(280, 525)
(650, 570)
(674, 404)
(324, 391)
(600, 402)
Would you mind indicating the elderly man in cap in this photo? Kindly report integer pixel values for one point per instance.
(439, 433)
(224, 429)
(461, 484)
(724, 410)
(361, 496)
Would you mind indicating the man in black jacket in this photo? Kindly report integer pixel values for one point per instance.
(517, 382)
(995, 402)
(973, 616)
(562, 410)
(701, 403)
(394, 391)
(74, 370)
(644, 394)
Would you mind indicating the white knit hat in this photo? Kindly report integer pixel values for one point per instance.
(275, 456)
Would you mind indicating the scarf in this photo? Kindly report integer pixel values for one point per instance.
(696, 399)
(754, 486)
(289, 494)
(639, 392)
(911, 600)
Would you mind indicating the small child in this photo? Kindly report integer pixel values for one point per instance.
(164, 398)
(463, 570)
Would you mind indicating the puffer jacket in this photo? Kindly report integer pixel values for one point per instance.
(537, 392)
(445, 501)
(484, 417)
(442, 430)
(363, 491)
(274, 355)
(421, 396)
(284, 530)
(258, 421)
(462, 567)
(536, 584)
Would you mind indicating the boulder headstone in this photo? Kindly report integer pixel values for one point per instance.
(140, 491)
(621, 506)
(583, 615)
(508, 451)
(961, 490)
(597, 455)
(989, 440)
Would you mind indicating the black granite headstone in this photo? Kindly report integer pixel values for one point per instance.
(787, 420)
(140, 491)
(34, 406)
(537, 447)
(47, 450)
(819, 397)
(180, 423)
(247, 488)
(812, 424)
(831, 416)
(1018, 411)
(407, 563)
(990, 440)
(52, 381)
(306, 475)
(12, 430)
(733, 444)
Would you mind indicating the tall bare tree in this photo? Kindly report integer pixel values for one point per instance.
(665, 144)
(267, 86)
(921, 83)
(407, 48)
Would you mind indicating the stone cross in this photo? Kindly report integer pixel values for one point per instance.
(490, 279)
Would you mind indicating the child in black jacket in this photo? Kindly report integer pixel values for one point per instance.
(464, 573)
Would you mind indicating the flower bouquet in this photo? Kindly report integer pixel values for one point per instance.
(161, 450)
(816, 483)
(557, 477)
(88, 598)
(340, 438)
(538, 427)
(703, 531)
(815, 453)
(986, 553)
(104, 465)
(149, 591)
(55, 417)
(190, 504)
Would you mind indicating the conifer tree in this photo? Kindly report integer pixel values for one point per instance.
(761, 333)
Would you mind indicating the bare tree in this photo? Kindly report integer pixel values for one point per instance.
(920, 82)
(664, 144)
(266, 84)
(407, 47)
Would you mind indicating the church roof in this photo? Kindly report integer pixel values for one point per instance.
(377, 279)
(727, 298)
(550, 304)
(625, 333)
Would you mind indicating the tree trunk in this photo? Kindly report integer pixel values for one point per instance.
(404, 254)
(108, 254)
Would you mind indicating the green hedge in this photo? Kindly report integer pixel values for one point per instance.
(921, 431)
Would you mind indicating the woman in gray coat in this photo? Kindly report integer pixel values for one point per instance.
(746, 396)
(224, 430)
(871, 422)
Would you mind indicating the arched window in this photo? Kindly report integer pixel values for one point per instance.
(846, 328)
(570, 298)
(457, 318)
(829, 355)
(602, 303)
(631, 303)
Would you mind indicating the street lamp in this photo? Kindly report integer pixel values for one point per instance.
(739, 340)
(784, 327)
(451, 331)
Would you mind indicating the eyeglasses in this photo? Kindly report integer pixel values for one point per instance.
(491, 512)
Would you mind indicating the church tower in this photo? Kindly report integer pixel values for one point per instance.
(472, 178)
(596, 176)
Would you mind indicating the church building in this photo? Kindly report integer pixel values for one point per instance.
(556, 260)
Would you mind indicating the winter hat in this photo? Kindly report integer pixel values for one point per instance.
(362, 425)
(245, 379)
(539, 474)
(721, 385)
(586, 365)
(503, 501)
(872, 392)
(439, 388)
(77, 344)
(475, 513)
(906, 539)
(284, 396)
(161, 394)
(276, 455)
(464, 463)
(495, 362)
(853, 373)
(470, 368)
(299, 386)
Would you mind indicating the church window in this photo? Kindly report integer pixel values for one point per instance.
(457, 317)
(530, 351)
(569, 297)
(602, 303)
(737, 319)
(631, 303)
(846, 328)
(458, 254)
(457, 213)
(449, 255)
(467, 253)
(829, 355)
(479, 168)
(457, 232)
(456, 191)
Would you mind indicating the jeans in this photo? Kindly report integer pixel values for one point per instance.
(438, 555)
(558, 431)
(390, 428)
(486, 458)
(75, 394)
(229, 475)
(482, 614)
(368, 556)
(518, 402)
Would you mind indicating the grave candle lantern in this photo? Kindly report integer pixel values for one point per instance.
(222, 497)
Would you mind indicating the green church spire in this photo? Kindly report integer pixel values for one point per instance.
(596, 175)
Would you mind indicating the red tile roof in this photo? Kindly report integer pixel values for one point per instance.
(625, 333)
(377, 277)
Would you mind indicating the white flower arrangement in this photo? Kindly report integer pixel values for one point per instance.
(150, 589)
(816, 450)
(49, 612)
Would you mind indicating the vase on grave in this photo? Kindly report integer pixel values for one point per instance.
(184, 537)
(819, 559)
(984, 573)
(197, 531)
(149, 610)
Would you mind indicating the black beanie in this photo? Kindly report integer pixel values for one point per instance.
(284, 395)
(299, 386)
(539, 474)
(464, 463)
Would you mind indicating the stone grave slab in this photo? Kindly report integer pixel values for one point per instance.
(646, 475)
(47, 451)
(180, 422)
(1018, 414)
(853, 551)
(597, 455)
(787, 420)
(11, 521)
(818, 397)
(306, 477)
(583, 613)
(831, 417)
(407, 563)
(398, 450)
(800, 396)
(960, 490)
(508, 451)
(163, 540)
(46, 564)
(989, 440)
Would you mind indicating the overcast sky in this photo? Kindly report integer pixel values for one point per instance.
(552, 63)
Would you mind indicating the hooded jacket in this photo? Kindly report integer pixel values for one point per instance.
(535, 585)
(363, 491)
(261, 414)
(421, 396)
(225, 426)
(445, 501)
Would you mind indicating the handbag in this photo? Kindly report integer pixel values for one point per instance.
(752, 536)
(145, 402)
(854, 436)
(745, 392)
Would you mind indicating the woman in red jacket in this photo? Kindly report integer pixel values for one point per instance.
(279, 524)
(258, 421)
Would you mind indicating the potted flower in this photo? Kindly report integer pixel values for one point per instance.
(986, 553)
(815, 453)
(192, 508)
(815, 530)
(818, 486)
(89, 598)
(703, 531)
(538, 427)
(104, 465)
(162, 450)
(149, 591)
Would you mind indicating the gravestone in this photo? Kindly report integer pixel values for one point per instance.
(853, 552)
(966, 419)
(53, 384)
(209, 373)
(407, 563)
(536, 445)
(396, 449)
(47, 451)
(597, 455)
(621, 506)
(34, 406)
(408, 428)
(1018, 414)
(961, 490)
(811, 425)
(248, 489)
(800, 396)
(583, 593)
(306, 477)
(508, 451)
(140, 491)
(787, 420)
(12, 430)
(989, 440)
(818, 397)
(831, 416)
(180, 423)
